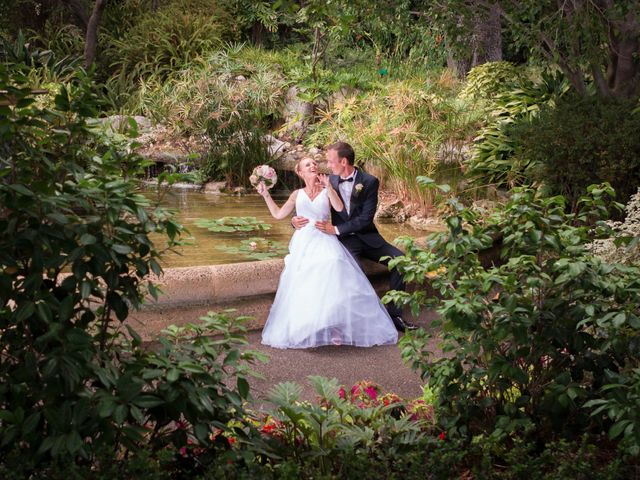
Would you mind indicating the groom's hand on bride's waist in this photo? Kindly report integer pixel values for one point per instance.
(326, 227)
(298, 222)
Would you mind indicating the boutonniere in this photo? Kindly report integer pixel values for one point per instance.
(358, 188)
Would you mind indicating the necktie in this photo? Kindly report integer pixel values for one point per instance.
(340, 180)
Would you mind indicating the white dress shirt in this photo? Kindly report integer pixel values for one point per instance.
(346, 188)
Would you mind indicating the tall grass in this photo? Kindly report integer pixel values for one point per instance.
(401, 130)
(223, 96)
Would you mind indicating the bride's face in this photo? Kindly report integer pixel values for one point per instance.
(307, 168)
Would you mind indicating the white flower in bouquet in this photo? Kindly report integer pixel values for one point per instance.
(263, 174)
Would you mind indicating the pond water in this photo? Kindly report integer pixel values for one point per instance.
(212, 248)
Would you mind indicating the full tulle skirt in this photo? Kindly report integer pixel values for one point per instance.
(324, 298)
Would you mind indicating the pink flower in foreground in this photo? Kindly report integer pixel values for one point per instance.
(342, 393)
(371, 391)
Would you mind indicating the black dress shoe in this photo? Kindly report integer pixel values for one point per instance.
(401, 325)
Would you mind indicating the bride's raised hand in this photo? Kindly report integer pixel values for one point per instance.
(262, 189)
(324, 180)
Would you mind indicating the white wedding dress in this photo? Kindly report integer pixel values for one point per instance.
(323, 297)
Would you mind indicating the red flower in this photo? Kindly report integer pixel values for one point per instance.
(442, 436)
(268, 428)
(342, 393)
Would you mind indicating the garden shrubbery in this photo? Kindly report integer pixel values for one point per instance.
(582, 141)
(542, 346)
(494, 160)
(75, 257)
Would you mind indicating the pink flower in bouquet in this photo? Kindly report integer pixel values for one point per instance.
(342, 393)
(263, 174)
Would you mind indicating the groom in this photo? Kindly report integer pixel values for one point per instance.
(354, 224)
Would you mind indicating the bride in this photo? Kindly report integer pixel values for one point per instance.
(323, 297)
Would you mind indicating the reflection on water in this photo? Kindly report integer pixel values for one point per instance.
(190, 206)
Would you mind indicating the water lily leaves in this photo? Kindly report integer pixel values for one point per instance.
(232, 224)
(256, 248)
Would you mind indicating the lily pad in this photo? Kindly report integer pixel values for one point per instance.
(257, 248)
(232, 224)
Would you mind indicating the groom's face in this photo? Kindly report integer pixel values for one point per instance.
(335, 163)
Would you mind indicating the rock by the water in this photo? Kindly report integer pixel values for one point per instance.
(214, 187)
(424, 223)
(119, 122)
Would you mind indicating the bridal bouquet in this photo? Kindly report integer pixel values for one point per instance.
(263, 174)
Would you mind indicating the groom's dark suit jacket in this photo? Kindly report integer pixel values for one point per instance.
(359, 220)
(359, 234)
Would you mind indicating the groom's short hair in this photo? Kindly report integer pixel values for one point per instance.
(344, 150)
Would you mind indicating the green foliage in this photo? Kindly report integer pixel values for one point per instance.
(402, 130)
(583, 141)
(75, 257)
(232, 98)
(169, 39)
(256, 248)
(493, 157)
(232, 224)
(237, 146)
(621, 396)
(40, 65)
(361, 421)
(530, 341)
(491, 79)
(588, 41)
(64, 40)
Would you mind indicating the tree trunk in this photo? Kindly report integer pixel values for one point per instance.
(257, 34)
(487, 38)
(624, 72)
(485, 43)
(79, 9)
(91, 39)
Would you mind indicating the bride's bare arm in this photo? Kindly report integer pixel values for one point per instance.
(334, 198)
(278, 212)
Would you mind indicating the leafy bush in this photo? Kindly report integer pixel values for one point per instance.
(39, 64)
(534, 344)
(231, 100)
(75, 257)
(167, 40)
(624, 247)
(491, 79)
(364, 432)
(493, 156)
(583, 141)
